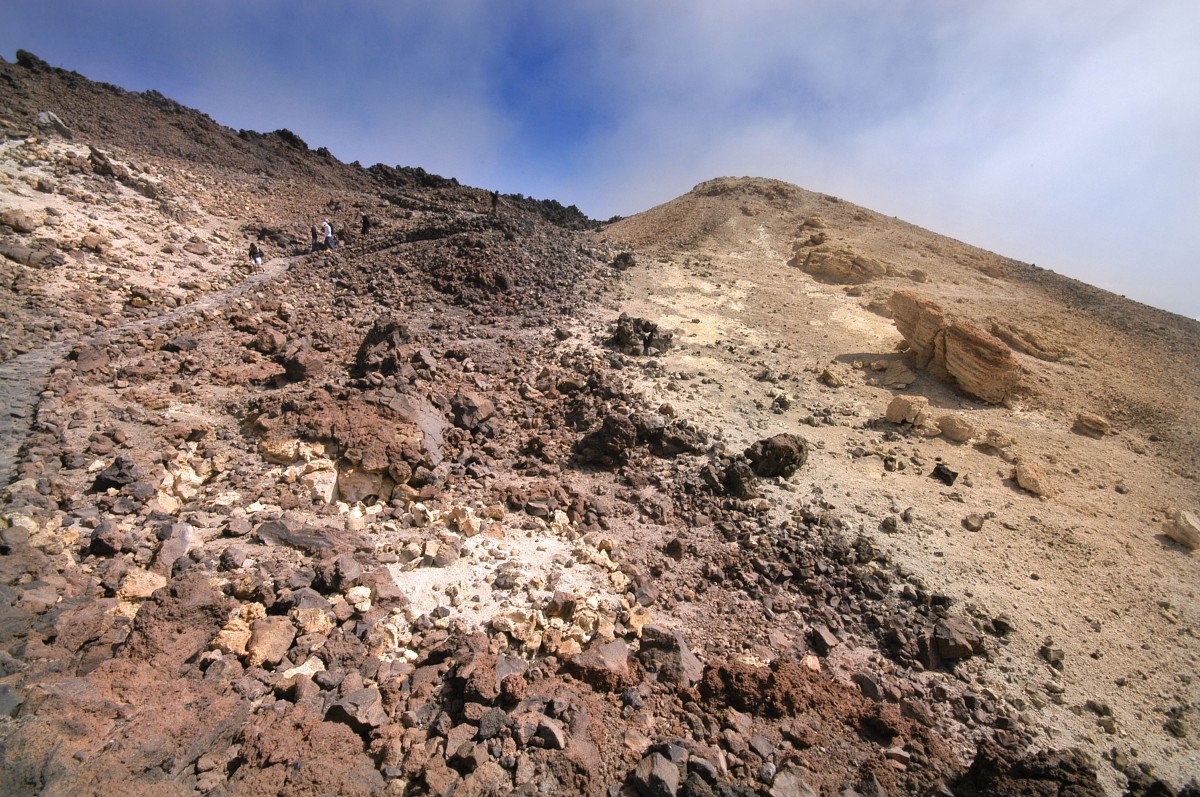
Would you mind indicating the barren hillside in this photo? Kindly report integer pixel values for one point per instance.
(757, 492)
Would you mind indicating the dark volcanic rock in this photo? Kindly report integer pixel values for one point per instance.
(293, 534)
(1000, 772)
(740, 481)
(639, 336)
(781, 455)
(121, 472)
(302, 361)
(471, 409)
(89, 358)
(944, 474)
(176, 624)
(655, 776)
(605, 666)
(269, 341)
(956, 639)
(667, 653)
(667, 438)
(381, 349)
(608, 445)
(361, 709)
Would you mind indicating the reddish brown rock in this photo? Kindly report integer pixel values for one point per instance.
(605, 666)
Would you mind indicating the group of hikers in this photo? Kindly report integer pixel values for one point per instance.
(322, 239)
(326, 239)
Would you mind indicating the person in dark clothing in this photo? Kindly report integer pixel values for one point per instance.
(366, 225)
(316, 241)
(495, 201)
(256, 256)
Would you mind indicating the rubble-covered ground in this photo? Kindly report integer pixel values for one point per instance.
(493, 502)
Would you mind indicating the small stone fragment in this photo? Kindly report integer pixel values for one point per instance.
(270, 639)
(944, 474)
(1031, 477)
(1184, 527)
(956, 428)
(908, 409)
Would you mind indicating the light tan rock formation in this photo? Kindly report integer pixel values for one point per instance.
(979, 362)
(956, 428)
(1092, 425)
(841, 266)
(1184, 527)
(1032, 477)
(908, 409)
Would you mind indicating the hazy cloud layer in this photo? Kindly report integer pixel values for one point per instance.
(1062, 133)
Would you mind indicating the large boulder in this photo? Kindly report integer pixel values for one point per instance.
(781, 455)
(981, 364)
(609, 444)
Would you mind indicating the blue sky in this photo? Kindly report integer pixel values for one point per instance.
(1059, 132)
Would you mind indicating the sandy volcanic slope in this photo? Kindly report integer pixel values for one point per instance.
(1088, 569)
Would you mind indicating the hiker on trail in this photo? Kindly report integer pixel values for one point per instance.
(316, 242)
(327, 231)
(256, 255)
(366, 227)
(495, 201)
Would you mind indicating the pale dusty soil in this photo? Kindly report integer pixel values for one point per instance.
(138, 240)
(1088, 569)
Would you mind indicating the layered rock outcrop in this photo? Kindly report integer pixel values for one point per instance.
(841, 266)
(980, 363)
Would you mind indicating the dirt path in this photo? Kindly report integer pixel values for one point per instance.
(23, 377)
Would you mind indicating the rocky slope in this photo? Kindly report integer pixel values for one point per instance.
(499, 502)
